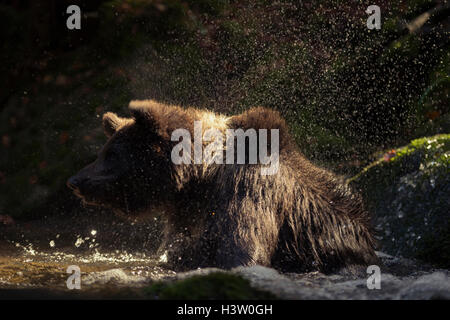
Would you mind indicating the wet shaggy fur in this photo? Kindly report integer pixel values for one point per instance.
(299, 219)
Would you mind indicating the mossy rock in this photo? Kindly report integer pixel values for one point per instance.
(436, 248)
(408, 191)
(216, 285)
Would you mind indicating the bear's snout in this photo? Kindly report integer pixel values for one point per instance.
(93, 187)
(73, 183)
(81, 187)
(81, 179)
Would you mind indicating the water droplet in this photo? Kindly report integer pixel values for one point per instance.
(79, 242)
(163, 258)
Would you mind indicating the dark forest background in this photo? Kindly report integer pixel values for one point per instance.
(348, 93)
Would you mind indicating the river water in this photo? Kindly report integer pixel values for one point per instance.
(36, 254)
(116, 258)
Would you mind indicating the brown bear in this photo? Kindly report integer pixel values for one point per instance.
(300, 218)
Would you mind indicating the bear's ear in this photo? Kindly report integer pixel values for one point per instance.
(262, 118)
(259, 118)
(145, 111)
(111, 123)
(159, 117)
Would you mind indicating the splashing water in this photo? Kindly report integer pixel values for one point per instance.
(27, 261)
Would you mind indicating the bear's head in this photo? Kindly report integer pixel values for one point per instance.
(133, 170)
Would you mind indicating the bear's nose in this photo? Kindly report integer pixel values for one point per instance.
(73, 183)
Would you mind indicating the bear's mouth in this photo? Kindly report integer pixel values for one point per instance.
(105, 196)
(88, 201)
(91, 201)
(120, 206)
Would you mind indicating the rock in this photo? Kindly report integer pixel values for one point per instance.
(205, 285)
(417, 285)
(401, 279)
(112, 276)
(431, 286)
(196, 272)
(408, 194)
(270, 280)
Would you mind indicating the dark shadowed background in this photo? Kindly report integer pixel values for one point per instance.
(350, 95)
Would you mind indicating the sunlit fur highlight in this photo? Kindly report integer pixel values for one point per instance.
(302, 218)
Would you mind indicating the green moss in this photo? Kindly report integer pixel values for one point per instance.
(384, 172)
(217, 285)
(407, 190)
